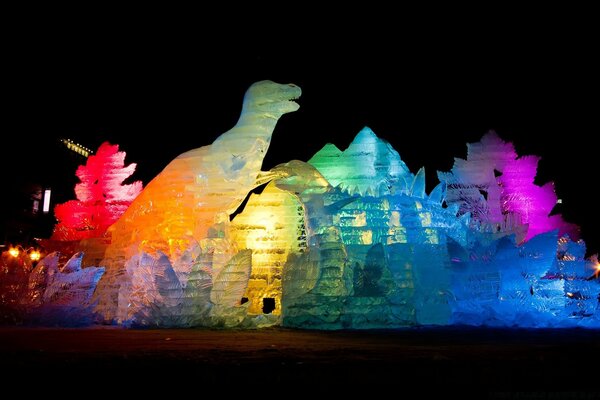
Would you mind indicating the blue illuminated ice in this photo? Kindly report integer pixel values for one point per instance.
(348, 240)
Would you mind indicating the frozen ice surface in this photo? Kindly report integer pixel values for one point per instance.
(53, 295)
(197, 189)
(497, 188)
(348, 240)
(368, 166)
(101, 196)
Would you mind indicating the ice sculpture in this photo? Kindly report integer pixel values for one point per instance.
(196, 190)
(397, 257)
(63, 295)
(369, 166)
(497, 188)
(101, 196)
(370, 239)
(14, 278)
(48, 294)
(349, 239)
(272, 226)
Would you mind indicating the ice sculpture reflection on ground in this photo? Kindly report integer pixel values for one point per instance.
(349, 239)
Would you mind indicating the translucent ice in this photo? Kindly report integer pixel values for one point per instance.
(368, 166)
(349, 239)
(14, 280)
(497, 187)
(60, 295)
(101, 196)
(272, 227)
(368, 247)
(197, 189)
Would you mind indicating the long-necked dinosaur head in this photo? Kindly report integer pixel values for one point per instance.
(271, 99)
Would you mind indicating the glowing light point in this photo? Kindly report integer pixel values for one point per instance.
(348, 240)
(35, 255)
(46, 205)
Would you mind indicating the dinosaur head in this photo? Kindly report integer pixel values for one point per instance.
(270, 99)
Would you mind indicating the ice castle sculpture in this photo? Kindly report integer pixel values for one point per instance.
(349, 239)
(49, 293)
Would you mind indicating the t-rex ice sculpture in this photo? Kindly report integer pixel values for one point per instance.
(198, 188)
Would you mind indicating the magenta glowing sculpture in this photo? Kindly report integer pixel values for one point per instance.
(348, 240)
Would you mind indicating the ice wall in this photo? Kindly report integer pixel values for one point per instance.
(49, 293)
(101, 196)
(196, 190)
(272, 226)
(497, 188)
(369, 166)
(349, 239)
(376, 255)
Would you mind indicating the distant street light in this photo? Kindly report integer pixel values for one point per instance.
(33, 253)
(14, 251)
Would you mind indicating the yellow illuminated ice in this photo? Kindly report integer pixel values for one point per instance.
(272, 227)
(179, 206)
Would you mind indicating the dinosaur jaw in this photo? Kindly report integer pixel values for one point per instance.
(272, 99)
(287, 106)
(283, 101)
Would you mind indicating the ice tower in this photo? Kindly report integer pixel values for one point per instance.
(349, 239)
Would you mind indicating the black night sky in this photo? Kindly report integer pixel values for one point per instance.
(159, 80)
(160, 94)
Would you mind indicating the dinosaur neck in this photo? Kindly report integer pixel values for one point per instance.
(250, 127)
(258, 120)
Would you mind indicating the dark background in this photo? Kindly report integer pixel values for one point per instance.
(158, 89)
